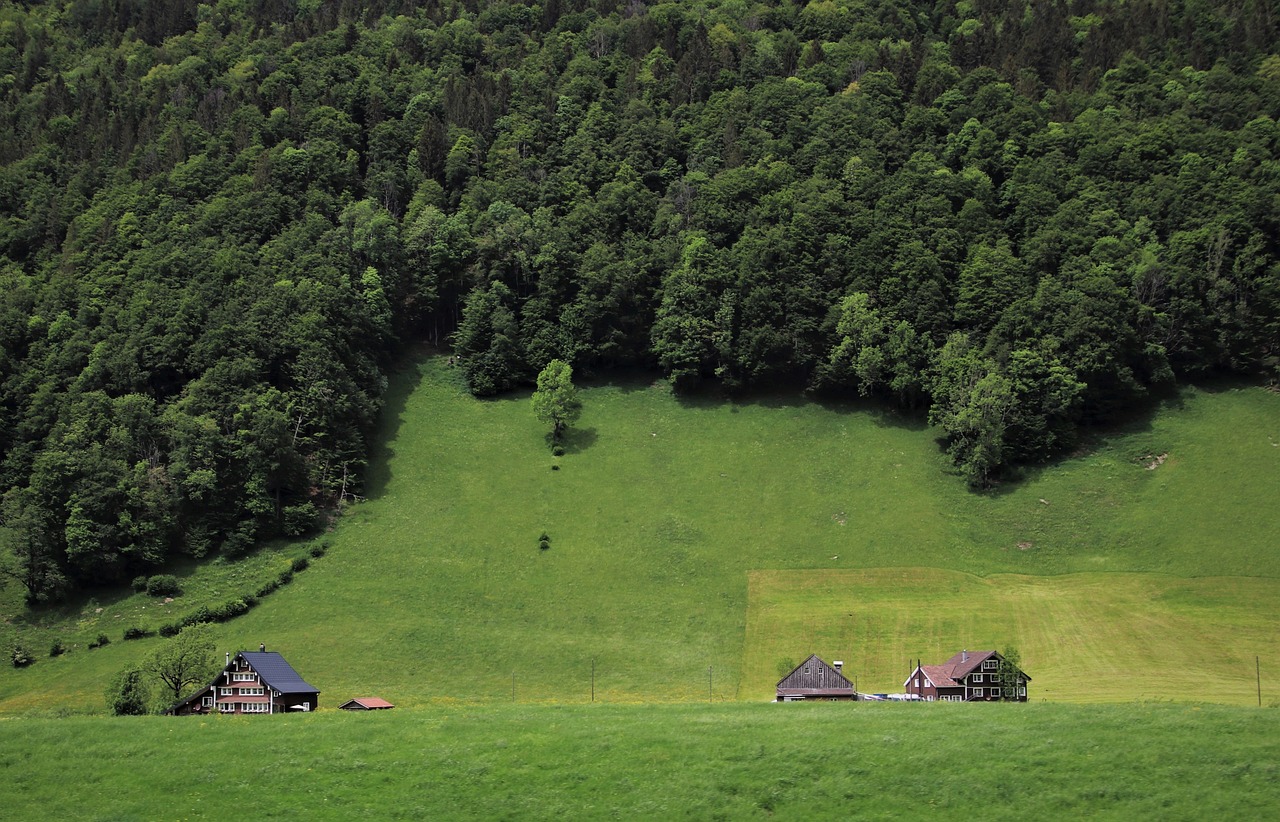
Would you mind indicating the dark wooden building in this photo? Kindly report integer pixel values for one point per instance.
(969, 676)
(815, 679)
(253, 682)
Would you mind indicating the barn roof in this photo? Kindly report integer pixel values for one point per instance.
(277, 673)
(372, 703)
(815, 673)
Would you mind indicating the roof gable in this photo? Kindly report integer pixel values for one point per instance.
(814, 672)
(966, 662)
(276, 672)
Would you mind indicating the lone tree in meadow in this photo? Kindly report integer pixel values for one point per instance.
(187, 659)
(556, 400)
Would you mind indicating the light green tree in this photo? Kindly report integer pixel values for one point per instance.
(556, 399)
(187, 659)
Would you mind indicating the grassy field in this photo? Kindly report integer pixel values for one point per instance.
(821, 761)
(1088, 637)
(667, 517)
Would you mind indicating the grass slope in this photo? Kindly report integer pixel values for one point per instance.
(822, 761)
(434, 589)
(1087, 637)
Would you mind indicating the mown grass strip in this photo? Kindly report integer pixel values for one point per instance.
(1083, 637)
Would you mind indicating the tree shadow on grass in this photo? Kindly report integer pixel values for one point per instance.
(576, 440)
(402, 380)
(710, 395)
(1091, 440)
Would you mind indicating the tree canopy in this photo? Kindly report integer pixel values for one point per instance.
(219, 224)
(556, 399)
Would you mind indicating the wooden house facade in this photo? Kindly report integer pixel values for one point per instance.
(253, 682)
(816, 679)
(969, 676)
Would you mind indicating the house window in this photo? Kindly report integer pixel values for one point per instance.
(977, 691)
(1022, 691)
(224, 691)
(226, 707)
(989, 665)
(207, 701)
(242, 677)
(977, 677)
(255, 708)
(251, 692)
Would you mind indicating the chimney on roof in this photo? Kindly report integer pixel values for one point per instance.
(839, 663)
(964, 656)
(228, 657)
(262, 647)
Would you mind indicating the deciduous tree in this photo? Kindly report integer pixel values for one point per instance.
(556, 399)
(187, 659)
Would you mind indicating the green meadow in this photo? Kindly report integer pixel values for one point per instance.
(697, 544)
(739, 761)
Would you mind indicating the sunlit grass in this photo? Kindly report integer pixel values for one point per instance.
(860, 760)
(435, 589)
(1084, 637)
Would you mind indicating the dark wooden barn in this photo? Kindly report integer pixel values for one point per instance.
(815, 679)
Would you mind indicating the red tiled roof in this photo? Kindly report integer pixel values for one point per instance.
(940, 675)
(966, 662)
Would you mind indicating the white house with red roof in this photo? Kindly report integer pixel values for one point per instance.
(969, 676)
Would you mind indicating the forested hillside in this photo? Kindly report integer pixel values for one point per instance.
(219, 223)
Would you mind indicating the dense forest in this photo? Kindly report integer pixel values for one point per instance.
(220, 223)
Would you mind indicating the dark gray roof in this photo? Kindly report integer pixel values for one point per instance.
(277, 673)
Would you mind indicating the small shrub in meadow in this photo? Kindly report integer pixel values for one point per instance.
(163, 585)
(300, 564)
(557, 451)
(136, 633)
(21, 656)
(171, 629)
(139, 583)
(102, 639)
(268, 588)
(58, 648)
(318, 550)
(286, 577)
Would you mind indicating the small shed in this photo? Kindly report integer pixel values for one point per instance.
(366, 703)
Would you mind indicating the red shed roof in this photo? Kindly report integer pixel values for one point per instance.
(371, 703)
